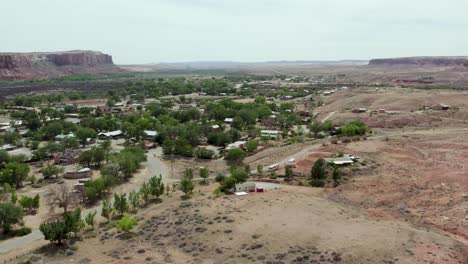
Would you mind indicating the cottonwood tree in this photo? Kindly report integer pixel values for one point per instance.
(61, 195)
(156, 186)
(318, 174)
(204, 174)
(120, 203)
(10, 214)
(145, 192)
(186, 186)
(107, 209)
(134, 200)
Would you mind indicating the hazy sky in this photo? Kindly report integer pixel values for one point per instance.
(143, 31)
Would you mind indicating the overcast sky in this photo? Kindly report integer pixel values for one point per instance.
(144, 31)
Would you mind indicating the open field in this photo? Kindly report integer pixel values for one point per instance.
(264, 228)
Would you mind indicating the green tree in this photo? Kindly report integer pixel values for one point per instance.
(318, 174)
(260, 170)
(10, 214)
(204, 173)
(51, 170)
(120, 203)
(251, 146)
(55, 231)
(90, 219)
(29, 203)
(336, 175)
(186, 186)
(289, 173)
(236, 154)
(156, 186)
(145, 192)
(83, 133)
(107, 209)
(14, 174)
(134, 200)
(126, 223)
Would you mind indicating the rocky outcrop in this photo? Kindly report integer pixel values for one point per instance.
(54, 64)
(422, 61)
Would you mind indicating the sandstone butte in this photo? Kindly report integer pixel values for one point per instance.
(18, 66)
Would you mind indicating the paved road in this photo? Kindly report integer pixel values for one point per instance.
(154, 166)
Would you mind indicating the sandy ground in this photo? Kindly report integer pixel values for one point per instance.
(417, 177)
(263, 228)
(402, 107)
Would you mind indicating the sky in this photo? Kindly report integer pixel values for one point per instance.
(152, 31)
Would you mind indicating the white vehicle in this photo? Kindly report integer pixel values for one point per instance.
(273, 167)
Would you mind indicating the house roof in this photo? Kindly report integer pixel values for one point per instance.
(151, 133)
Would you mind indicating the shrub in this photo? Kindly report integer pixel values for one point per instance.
(126, 223)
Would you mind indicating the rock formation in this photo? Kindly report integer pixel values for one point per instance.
(422, 61)
(54, 64)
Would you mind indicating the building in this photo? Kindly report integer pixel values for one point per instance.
(359, 110)
(150, 134)
(79, 174)
(273, 134)
(342, 161)
(237, 144)
(7, 147)
(245, 187)
(273, 167)
(111, 134)
(228, 120)
(63, 136)
(440, 107)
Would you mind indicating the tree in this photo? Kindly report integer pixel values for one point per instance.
(73, 221)
(204, 173)
(260, 169)
(318, 174)
(107, 209)
(289, 173)
(83, 133)
(90, 219)
(204, 153)
(336, 175)
(54, 231)
(186, 186)
(316, 127)
(145, 192)
(240, 174)
(251, 146)
(51, 170)
(236, 154)
(10, 214)
(61, 195)
(156, 186)
(14, 174)
(134, 200)
(227, 184)
(29, 203)
(120, 203)
(126, 223)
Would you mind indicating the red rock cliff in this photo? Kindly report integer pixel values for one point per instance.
(53, 64)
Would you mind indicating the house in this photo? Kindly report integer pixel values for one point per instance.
(215, 127)
(270, 133)
(79, 174)
(228, 120)
(111, 134)
(341, 161)
(237, 144)
(359, 110)
(150, 134)
(245, 187)
(63, 136)
(291, 163)
(440, 107)
(8, 147)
